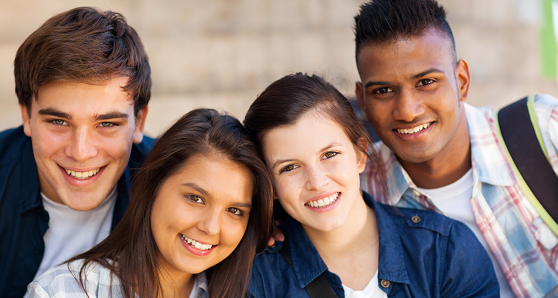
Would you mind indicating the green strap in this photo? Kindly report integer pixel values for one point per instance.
(522, 185)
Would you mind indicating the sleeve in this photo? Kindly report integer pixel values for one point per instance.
(546, 108)
(468, 271)
(35, 290)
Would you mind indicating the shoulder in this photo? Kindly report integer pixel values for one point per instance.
(59, 281)
(12, 141)
(408, 218)
(140, 151)
(64, 281)
(271, 276)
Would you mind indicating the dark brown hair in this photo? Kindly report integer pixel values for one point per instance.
(83, 45)
(289, 98)
(130, 251)
(389, 20)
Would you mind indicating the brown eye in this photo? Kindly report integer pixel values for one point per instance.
(195, 199)
(288, 168)
(235, 211)
(329, 154)
(425, 82)
(382, 90)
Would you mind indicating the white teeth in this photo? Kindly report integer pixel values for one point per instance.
(82, 175)
(413, 130)
(324, 202)
(195, 244)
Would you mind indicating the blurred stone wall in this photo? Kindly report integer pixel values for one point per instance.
(222, 53)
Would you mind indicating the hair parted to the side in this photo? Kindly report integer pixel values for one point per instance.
(83, 45)
(390, 20)
(286, 100)
(130, 251)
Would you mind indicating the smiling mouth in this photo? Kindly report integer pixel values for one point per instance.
(413, 130)
(82, 175)
(323, 202)
(196, 244)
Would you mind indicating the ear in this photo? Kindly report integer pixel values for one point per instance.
(359, 95)
(140, 123)
(463, 79)
(26, 120)
(361, 155)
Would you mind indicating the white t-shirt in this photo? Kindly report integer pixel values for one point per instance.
(71, 232)
(453, 200)
(372, 290)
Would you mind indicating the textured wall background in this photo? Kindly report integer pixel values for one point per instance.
(222, 53)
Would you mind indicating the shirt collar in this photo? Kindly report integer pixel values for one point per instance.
(489, 158)
(391, 262)
(308, 264)
(29, 186)
(201, 282)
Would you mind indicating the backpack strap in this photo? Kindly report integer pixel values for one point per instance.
(319, 287)
(519, 133)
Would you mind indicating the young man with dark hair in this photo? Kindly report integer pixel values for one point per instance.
(442, 154)
(83, 84)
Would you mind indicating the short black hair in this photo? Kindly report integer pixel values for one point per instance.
(390, 20)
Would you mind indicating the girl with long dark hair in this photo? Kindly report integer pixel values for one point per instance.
(200, 208)
(339, 241)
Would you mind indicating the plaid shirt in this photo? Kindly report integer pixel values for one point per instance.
(61, 282)
(523, 244)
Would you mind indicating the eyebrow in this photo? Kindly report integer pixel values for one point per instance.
(107, 116)
(205, 193)
(240, 204)
(54, 112)
(197, 188)
(414, 77)
(111, 115)
(280, 161)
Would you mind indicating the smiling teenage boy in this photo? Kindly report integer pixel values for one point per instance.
(442, 154)
(83, 85)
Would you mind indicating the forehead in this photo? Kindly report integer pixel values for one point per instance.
(82, 98)
(432, 49)
(217, 175)
(311, 132)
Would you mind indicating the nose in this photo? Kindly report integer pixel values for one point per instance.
(210, 224)
(316, 178)
(82, 146)
(408, 106)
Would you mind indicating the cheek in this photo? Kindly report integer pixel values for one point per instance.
(286, 188)
(233, 231)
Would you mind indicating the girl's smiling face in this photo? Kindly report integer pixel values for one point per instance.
(200, 214)
(315, 170)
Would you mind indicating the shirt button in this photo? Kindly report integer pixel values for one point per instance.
(384, 283)
(415, 219)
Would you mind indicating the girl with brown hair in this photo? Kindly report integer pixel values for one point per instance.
(339, 242)
(200, 209)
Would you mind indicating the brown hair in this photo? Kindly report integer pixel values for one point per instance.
(289, 98)
(130, 251)
(83, 45)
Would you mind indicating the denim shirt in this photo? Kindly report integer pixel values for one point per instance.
(421, 254)
(23, 219)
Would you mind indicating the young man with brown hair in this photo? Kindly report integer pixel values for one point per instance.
(442, 154)
(83, 84)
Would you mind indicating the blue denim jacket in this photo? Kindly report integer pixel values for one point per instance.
(23, 219)
(433, 257)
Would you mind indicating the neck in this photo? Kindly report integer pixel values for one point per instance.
(447, 166)
(175, 283)
(358, 232)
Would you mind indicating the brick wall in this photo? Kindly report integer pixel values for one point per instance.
(222, 53)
